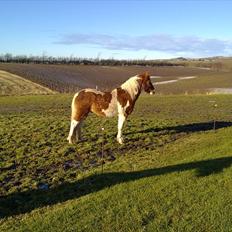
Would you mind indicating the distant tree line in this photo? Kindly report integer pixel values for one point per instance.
(214, 63)
(43, 59)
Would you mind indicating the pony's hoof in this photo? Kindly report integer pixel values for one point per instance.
(70, 141)
(120, 140)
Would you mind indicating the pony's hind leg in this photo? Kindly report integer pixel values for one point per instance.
(72, 132)
(80, 110)
(78, 131)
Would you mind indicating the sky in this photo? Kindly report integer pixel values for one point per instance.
(129, 29)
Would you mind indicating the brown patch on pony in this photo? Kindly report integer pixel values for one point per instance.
(123, 98)
(90, 101)
(100, 102)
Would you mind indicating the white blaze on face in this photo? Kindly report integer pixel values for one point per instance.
(112, 108)
(131, 86)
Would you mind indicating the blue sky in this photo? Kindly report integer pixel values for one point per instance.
(120, 29)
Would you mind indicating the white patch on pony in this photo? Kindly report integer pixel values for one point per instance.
(122, 110)
(112, 108)
(73, 125)
(125, 107)
(131, 86)
(121, 120)
(93, 91)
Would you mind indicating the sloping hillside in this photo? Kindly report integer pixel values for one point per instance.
(11, 84)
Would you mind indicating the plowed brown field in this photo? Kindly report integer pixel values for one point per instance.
(70, 78)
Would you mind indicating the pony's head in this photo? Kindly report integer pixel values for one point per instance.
(146, 83)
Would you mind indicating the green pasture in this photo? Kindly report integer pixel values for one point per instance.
(172, 174)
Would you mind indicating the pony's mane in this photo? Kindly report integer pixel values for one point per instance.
(132, 86)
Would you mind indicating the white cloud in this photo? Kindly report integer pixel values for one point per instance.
(188, 45)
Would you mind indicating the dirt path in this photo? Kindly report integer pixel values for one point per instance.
(174, 80)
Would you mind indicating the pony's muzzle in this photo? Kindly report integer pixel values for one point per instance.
(152, 92)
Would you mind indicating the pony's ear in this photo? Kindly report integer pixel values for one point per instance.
(144, 75)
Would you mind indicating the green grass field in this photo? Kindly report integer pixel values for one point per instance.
(172, 174)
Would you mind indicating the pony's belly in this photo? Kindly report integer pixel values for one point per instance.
(111, 111)
(112, 108)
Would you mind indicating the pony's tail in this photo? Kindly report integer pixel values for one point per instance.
(74, 107)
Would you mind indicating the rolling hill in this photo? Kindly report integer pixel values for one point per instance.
(11, 84)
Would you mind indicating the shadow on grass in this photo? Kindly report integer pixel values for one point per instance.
(24, 202)
(187, 128)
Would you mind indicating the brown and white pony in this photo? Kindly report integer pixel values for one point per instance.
(119, 101)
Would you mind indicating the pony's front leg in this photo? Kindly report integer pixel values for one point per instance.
(121, 120)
